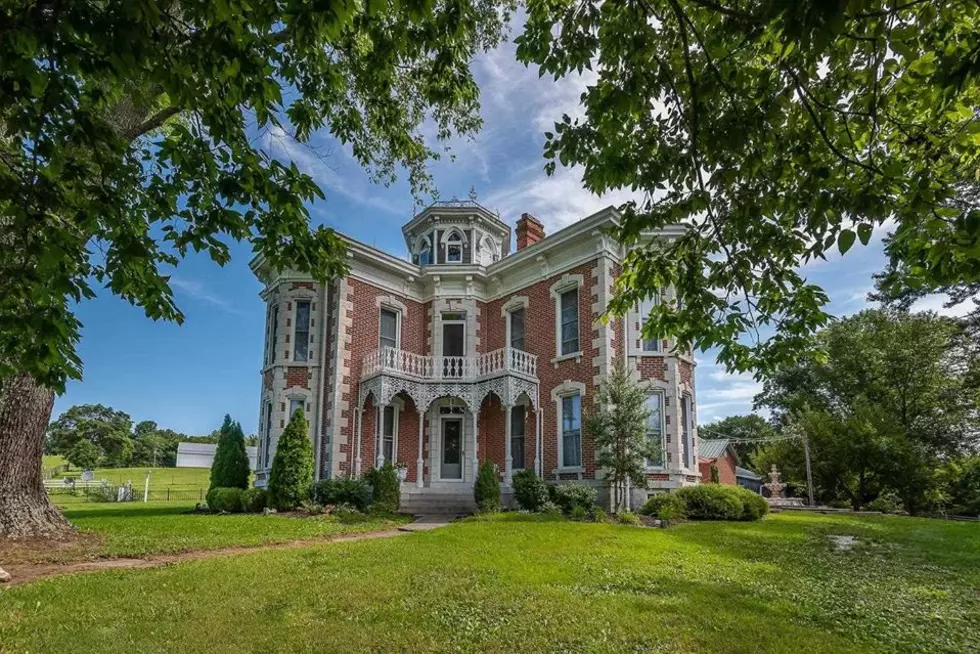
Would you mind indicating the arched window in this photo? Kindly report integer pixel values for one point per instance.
(487, 250)
(423, 251)
(454, 247)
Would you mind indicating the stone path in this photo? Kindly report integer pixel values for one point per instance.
(24, 574)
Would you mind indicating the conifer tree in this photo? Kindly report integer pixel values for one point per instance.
(291, 477)
(230, 467)
(619, 430)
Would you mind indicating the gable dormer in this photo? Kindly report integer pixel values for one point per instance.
(456, 232)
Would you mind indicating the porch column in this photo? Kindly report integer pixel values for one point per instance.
(476, 443)
(537, 441)
(379, 458)
(357, 448)
(419, 463)
(508, 459)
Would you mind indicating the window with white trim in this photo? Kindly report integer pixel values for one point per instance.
(517, 436)
(389, 329)
(454, 248)
(268, 433)
(571, 431)
(388, 434)
(646, 306)
(294, 404)
(516, 318)
(686, 432)
(568, 333)
(273, 333)
(423, 255)
(301, 334)
(655, 429)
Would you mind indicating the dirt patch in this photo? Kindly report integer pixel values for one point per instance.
(81, 547)
(25, 572)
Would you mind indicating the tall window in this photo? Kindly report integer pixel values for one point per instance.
(388, 434)
(655, 429)
(425, 253)
(646, 306)
(273, 334)
(517, 329)
(517, 437)
(569, 321)
(268, 432)
(294, 405)
(301, 337)
(686, 431)
(389, 328)
(571, 431)
(454, 248)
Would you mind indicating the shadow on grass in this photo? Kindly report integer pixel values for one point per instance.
(73, 513)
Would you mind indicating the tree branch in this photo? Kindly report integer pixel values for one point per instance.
(152, 123)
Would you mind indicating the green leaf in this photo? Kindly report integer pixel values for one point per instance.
(845, 239)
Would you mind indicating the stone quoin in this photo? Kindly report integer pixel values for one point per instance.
(467, 352)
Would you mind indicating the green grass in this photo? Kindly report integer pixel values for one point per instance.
(160, 478)
(519, 583)
(49, 461)
(135, 529)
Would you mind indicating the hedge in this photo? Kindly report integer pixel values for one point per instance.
(254, 500)
(353, 491)
(486, 490)
(228, 500)
(530, 491)
(707, 502)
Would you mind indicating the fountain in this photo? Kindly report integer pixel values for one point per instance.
(776, 488)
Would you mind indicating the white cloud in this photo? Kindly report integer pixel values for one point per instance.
(197, 290)
(935, 303)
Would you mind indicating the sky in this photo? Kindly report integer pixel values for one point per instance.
(188, 377)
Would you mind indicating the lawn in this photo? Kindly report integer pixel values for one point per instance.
(160, 478)
(135, 529)
(520, 583)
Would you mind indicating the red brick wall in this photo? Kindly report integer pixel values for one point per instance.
(540, 338)
(297, 376)
(364, 334)
(652, 367)
(726, 469)
(685, 371)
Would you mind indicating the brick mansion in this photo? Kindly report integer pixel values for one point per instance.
(481, 345)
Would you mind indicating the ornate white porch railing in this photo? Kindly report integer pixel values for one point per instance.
(420, 366)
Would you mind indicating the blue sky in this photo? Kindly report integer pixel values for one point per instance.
(187, 377)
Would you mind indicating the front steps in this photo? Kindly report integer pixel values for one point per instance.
(433, 501)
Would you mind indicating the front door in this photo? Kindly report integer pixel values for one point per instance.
(453, 349)
(452, 449)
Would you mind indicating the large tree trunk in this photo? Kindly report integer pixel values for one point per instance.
(25, 511)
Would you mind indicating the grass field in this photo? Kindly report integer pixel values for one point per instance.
(160, 478)
(135, 529)
(49, 461)
(520, 583)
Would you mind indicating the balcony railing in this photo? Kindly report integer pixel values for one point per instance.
(420, 366)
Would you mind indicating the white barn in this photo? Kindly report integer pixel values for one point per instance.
(201, 455)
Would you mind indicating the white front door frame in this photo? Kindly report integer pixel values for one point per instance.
(461, 418)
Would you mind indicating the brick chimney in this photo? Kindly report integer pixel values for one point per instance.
(529, 231)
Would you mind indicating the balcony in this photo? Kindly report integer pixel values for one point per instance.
(505, 361)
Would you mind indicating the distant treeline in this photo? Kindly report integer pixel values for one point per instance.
(93, 435)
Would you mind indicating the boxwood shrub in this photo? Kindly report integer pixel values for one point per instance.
(254, 500)
(342, 490)
(569, 496)
(225, 499)
(486, 491)
(707, 502)
(386, 488)
(530, 491)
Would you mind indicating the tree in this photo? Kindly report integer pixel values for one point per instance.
(887, 407)
(740, 428)
(130, 134)
(101, 425)
(619, 430)
(779, 133)
(291, 477)
(230, 468)
(83, 454)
